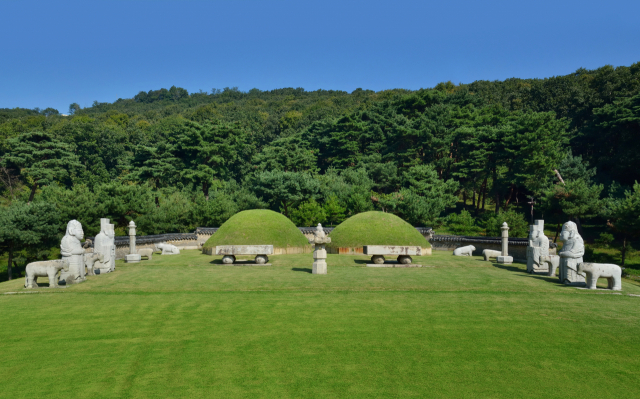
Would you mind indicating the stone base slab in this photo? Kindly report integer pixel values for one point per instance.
(246, 263)
(505, 259)
(132, 258)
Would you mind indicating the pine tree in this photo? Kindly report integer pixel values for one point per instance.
(42, 159)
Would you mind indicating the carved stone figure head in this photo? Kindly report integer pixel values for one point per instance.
(110, 231)
(569, 231)
(74, 228)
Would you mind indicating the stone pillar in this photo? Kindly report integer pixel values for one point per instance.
(133, 256)
(505, 258)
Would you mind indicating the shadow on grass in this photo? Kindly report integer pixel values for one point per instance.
(362, 261)
(507, 267)
(538, 276)
(216, 262)
(301, 269)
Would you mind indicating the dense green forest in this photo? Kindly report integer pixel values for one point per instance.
(462, 158)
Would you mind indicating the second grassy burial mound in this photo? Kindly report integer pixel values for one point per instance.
(258, 227)
(376, 228)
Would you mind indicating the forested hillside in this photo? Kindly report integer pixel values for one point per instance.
(173, 160)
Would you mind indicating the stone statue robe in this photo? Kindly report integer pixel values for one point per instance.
(112, 248)
(102, 245)
(570, 256)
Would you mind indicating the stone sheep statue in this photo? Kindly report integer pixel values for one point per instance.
(148, 252)
(464, 251)
(490, 253)
(167, 249)
(46, 268)
(594, 271)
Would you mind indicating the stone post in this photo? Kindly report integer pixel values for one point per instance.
(133, 256)
(505, 258)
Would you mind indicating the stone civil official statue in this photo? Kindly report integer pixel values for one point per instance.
(538, 247)
(103, 244)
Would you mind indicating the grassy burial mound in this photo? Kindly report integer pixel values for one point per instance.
(375, 228)
(257, 227)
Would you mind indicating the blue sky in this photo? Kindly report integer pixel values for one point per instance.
(56, 53)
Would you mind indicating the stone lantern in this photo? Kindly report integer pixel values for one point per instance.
(133, 256)
(319, 253)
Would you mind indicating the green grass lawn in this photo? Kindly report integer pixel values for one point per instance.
(187, 326)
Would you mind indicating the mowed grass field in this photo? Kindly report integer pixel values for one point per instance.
(186, 326)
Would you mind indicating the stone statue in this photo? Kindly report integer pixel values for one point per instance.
(464, 251)
(594, 271)
(538, 247)
(103, 248)
(571, 255)
(90, 260)
(490, 253)
(72, 254)
(319, 253)
(45, 268)
(167, 249)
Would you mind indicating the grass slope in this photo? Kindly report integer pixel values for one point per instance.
(258, 227)
(376, 228)
(188, 326)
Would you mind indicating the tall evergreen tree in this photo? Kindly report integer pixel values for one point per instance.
(42, 159)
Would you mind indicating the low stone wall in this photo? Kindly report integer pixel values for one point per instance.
(122, 250)
(426, 232)
(517, 246)
(180, 240)
(204, 233)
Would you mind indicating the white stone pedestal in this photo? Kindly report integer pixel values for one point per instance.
(505, 259)
(319, 267)
(320, 260)
(132, 258)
